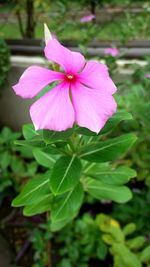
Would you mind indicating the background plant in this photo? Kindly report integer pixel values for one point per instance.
(4, 62)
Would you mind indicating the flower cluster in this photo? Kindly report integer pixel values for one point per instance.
(114, 52)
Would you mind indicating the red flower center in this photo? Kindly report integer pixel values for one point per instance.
(70, 77)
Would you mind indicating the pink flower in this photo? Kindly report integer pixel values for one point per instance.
(147, 75)
(83, 94)
(87, 18)
(114, 52)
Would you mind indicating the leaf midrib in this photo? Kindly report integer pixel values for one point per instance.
(102, 148)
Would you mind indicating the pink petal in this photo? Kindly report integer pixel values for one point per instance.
(96, 75)
(34, 79)
(87, 18)
(92, 107)
(70, 61)
(54, 110)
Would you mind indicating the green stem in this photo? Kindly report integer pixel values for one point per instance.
(71, 145)
(88, 167)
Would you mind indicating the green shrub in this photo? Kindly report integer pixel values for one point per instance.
(4, 62)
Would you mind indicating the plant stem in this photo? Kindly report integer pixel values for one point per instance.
(49, 247)
(71, 145)
(49, 262)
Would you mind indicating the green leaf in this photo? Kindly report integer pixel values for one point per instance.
(32, 168)
(129, 229)
(4, 183)
(43, 157)
(85, 131)
(101, 190)
(52, 136)
(65, 207)
(5, 159)
(7, 135)
(30, 144)
(145, 255)
(136, 243)
(65, 174)
(108, 150)
(33, 191)
(126, 256)
(115, 120)
(29, 131)
(106, 174)
(17, 166)
(41, 206)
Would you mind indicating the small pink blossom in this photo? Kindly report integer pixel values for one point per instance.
(147, 75)
(114, 52)
(87, 18)
(83, 94)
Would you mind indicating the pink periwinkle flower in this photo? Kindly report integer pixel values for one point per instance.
(87, 18)
(114, 52)
(83, 94)
(147, 75)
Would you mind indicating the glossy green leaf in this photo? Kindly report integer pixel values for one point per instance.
(52, 136)
(29, 131)
(101, 190)
(41, 206)
(108, 175)
(33, 191)
(30, 144)
(65, 207)
(43, 157)
(65, 174)
(108, 150)
(115, 120)
(85, 131)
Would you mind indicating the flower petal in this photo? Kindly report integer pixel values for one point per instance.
(34, 79)
(92, 107)
(70, 61)
(96, 75)
(54, 110)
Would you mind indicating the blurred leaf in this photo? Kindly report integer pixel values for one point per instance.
(5, 159)
(127, 257)
(129, 229)
(17, 166)
(136, 243)
(145, 255)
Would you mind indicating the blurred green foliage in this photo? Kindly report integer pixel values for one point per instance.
(4, 62)
(16, 164)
